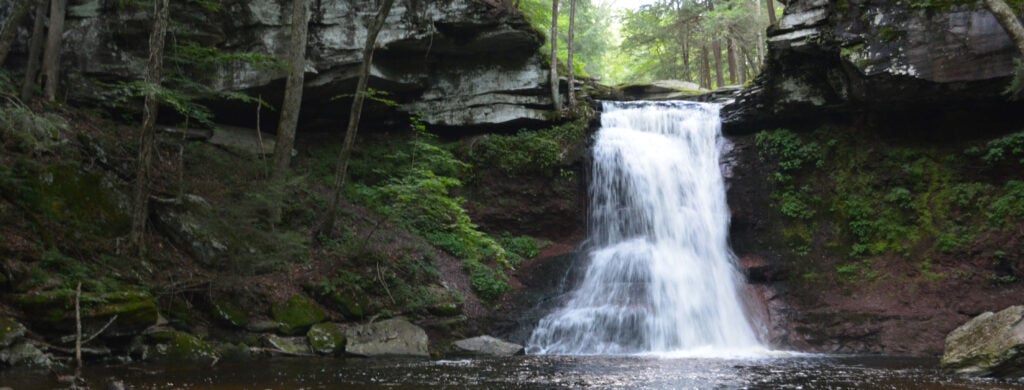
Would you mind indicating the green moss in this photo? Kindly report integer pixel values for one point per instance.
(889, 33)
(55, 310)
(179, 347)
(297, 314)
(229, 313)
(327, 338)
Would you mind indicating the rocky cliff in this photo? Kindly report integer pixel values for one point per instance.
(457, 63)
(877, 58)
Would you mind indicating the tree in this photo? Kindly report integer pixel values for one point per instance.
(154, 70)
(353, 120)
(11, 27)
(291, 105)
(771, 12)
(51, 55)
(28, 85)
(572, 64)
(1004, 14)
(555, 98)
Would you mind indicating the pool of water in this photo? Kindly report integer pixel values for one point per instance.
(531, 372)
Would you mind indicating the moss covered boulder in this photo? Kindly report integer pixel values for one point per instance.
(179, 347)
(297, 314)
(393, 337)
(327, 338)
(991, 344)
(54, 311)
(10, 331)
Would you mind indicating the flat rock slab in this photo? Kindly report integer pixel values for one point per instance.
(240, 138)
(487, 345)
(393, 337)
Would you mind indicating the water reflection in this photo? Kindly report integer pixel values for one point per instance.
(534, 372)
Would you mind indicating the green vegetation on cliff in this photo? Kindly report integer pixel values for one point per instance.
(861, 199)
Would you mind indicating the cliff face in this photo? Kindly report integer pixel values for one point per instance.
(877, 225)
(457, 63)
(868, 57)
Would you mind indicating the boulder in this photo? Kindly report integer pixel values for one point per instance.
(487, 345)
(297, 314)
(991, 344)
(327, 338)
(25, 354)
(391, 337)
(10, 331)
(179, 347)
(54, 310)
(875, 56)
(289, 345)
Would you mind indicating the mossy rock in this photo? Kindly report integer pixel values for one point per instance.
(54, 310)
(229, 313)
(233, 352)
(352, 306)
(180, 347)
(327, 338)
(297, 314)
(445, 309)
(10, 331)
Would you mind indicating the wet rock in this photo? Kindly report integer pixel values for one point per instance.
(991, 344)
(327, 338)
(10, 331)
(289, 345)
(25, 354)
(55, 311)
(297, 314)
(183, 225)
(487, 345)
(250, 141)
(229, 313)
(233, 352)
(391, 337)
(262, 326)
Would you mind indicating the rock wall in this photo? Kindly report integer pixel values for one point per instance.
(457, 63)
(874, 57)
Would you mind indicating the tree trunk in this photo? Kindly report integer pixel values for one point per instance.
(51, 56)
(35, 50)
(731, 50)
(11, 27)
(290, 107)
(353, 120)
(716, 46)
(1004, 14)
(741, 65)
(555, 97)
(705, 68)
(140, 209)
(686, 60)
(572, 65)
(771, 12)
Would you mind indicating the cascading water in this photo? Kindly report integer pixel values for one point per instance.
(661, 276)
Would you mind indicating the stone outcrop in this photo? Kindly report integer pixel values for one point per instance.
(872, 56)
(459, 63)
(393, 337)
(487, 345)
(989, 344)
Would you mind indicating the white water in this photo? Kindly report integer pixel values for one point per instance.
(661, 277)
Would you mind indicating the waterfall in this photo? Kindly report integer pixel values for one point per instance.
(661, 277)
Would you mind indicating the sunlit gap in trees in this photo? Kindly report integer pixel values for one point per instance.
(712, 43)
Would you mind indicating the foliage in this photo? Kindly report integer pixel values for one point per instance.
(592, 36)
(1002, 149)
(528, 152)
(412, 186)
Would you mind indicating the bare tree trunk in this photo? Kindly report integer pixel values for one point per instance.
(572, 65)
(140, 209)
(731, 52)
(35, 50)
(353, 120)
(686, 59)
(555, 97)
(51, 56)
(771, 12)
(1004, 14)
(290, 107)
(11, 27)
(716, 46)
